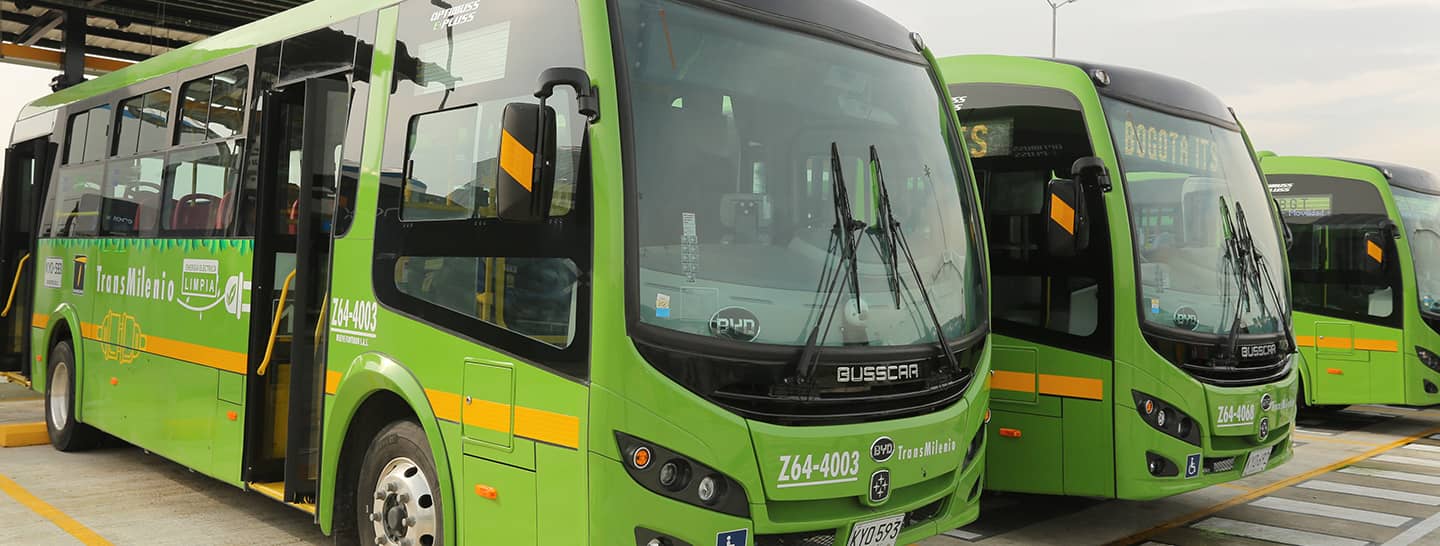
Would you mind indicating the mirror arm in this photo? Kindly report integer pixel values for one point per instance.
(575, 78)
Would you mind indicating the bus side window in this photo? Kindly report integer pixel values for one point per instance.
(131, 197)
(197, 184)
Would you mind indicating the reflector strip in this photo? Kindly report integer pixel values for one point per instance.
(1052, 385)
(1062, 213)
(1374, 251)
(516, 160)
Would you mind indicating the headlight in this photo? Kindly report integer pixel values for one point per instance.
(1429, 359)
(1165, 418)
(670, 474)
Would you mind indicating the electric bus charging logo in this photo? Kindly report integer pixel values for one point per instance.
(200, 288)
(122, 337)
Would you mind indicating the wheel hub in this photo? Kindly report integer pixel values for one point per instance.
(60, 395)
(403, 510)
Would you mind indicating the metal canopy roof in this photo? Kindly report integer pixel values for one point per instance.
(126, 30)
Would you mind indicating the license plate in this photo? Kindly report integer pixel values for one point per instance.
(1258, 460)
(877, 532)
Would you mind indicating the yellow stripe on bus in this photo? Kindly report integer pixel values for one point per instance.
(332, 381)
(1362, 344)
(210, 357)
(534, 424)
(1051, 385)
(40, 321)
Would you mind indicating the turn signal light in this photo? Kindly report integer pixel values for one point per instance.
(1163, 417)
(486, 492)
(1334, 371)
(1010, 432)
(672, 477)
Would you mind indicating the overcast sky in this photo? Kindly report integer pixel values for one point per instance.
(1356, 78)
(1323, 77)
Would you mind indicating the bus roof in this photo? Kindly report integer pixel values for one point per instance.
(1154, 89)
(1402, 176)
(306, 17)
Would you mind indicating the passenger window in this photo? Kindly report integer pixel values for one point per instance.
(77, 200)
(143, 121)
(130, 205)
(531, 296)
(213, 107)
(85, 139)
(199, 190)
(1019, 139)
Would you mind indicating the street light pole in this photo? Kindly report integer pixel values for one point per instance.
(1054, 18)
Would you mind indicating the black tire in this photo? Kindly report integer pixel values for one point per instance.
(66, 433)
(398, 452)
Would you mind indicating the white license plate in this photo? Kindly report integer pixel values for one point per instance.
(1258, 460)
(877, 532)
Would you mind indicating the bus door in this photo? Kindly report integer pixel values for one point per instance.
(305, 129)
(27, 165)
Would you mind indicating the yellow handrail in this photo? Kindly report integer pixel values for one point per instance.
(275, 325)
(14, 285)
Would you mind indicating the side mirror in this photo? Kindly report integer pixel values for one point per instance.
(1067, 228)
(1091, 173)
(1284, 226)
(526, 178)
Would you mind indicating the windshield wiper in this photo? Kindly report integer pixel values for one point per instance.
(1262, 272)
(894, 237)
(842, 235)
(1235, 257)
(885, 231)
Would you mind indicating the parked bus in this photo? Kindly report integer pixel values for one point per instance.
(1143, 343)
(1366, 273)
(671, 272)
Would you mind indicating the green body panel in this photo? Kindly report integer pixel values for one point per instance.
(1365, 375)
(1097, 448)
(550, 452)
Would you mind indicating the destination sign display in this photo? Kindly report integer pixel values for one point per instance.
(1164, 142)
(990, 138)
(1305, 206)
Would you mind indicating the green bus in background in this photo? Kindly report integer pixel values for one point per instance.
(1366, 272)
(641, 272)
(1143, 343)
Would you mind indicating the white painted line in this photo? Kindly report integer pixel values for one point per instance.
(1401, 408)
(1376, 492)
(1392, 475)
(1424, 447)
(1434, 436)
(962, 534)
(1274, 534)
(1417, 532)
(1332, 512)
(821, 482)
(1401, 459)
(1313, 432)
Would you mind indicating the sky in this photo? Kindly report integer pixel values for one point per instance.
(1354, 78)
(1351, 78)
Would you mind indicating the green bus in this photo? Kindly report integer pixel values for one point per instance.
(1366, 273)
(1143, 344)
(651, 272)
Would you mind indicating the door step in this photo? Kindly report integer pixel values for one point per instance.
(13, 377)
(276, 490)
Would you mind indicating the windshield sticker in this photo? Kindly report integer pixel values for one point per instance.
(689, 246)
(54, 270)
(1155, 306)
(662, 306)
(454, 17)
(735, 323)
(1187, 318)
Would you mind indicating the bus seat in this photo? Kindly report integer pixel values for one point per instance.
(193, 212)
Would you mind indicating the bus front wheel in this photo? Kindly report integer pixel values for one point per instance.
(398, 498)
(66, 433)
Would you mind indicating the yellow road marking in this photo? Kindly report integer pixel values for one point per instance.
(45, 510)
(1266, 490)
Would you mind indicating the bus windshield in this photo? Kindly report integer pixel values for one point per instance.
(1420, 213)
(734, 123)
(1181, 178)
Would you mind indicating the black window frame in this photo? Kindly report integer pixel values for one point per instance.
(1096, 260)
(568, 236)
(1392, 272)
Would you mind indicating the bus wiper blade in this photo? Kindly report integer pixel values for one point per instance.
(1234, 256)
(842, 237)
(1262, 277)
(895, 235)
(886, 230)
